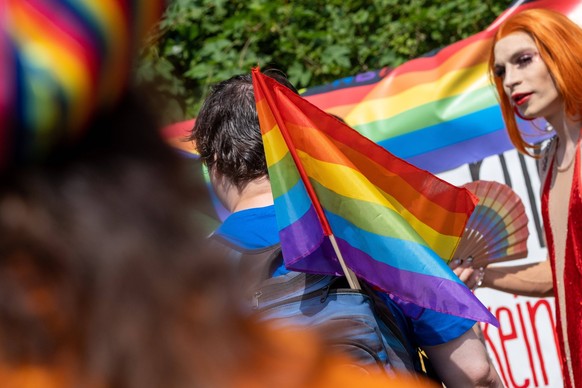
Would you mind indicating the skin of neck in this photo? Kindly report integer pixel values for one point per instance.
(256, 193)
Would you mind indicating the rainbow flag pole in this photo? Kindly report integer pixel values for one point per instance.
(349, 274)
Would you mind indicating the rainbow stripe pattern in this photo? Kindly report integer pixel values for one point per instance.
(396, 225)
(60, 61)
(438, 111)
(498, 228)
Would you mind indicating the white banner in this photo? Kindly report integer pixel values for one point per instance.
(525, 347)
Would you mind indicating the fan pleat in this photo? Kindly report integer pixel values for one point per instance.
(498, 228)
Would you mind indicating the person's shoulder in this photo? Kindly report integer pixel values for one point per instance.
(434, 328)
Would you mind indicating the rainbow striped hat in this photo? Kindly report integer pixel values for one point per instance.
(60, 60)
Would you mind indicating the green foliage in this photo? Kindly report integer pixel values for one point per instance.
(200, 42)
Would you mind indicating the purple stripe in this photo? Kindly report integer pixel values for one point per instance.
(476, 149)
(442, 295)
(306, 249)
(8, 95)
(468, 151)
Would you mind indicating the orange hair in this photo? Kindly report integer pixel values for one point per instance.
(559, 42)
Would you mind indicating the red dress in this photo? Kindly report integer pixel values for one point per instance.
(572, 273)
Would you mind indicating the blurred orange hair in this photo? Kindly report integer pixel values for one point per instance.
(559, 41)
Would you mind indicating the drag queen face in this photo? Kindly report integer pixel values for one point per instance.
(526, 79)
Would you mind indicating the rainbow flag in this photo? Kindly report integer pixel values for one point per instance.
(438, 111)
(396, 225)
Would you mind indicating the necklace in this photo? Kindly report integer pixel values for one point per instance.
(565, 166)
(562, 168)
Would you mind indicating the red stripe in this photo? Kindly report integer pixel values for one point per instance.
(410, 74)
(345, 96)
(181, 129)
(7, 94)
(262, 90)
(66, 31)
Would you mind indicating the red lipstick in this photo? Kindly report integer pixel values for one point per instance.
(520, 98)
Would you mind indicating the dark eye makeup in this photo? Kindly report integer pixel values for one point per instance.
(524, 59)
(520, 59)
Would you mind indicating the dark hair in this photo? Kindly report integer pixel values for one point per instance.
(227, 132)
(100, 261)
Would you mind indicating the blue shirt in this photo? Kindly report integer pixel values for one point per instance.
(257, 228)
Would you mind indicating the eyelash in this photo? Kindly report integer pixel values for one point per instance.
(524, 60)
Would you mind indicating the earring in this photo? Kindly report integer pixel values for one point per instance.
(548, 127)
(519, 114)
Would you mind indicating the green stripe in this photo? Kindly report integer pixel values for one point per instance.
(283, 175)
(368, 216)
(428, 115)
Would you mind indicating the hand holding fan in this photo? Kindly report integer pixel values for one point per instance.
(497, 230)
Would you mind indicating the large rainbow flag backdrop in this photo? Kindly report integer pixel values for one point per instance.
(395, 224)
(438, 111)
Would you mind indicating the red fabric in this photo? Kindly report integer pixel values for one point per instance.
(572, 274)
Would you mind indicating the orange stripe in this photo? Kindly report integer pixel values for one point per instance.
(266, 117)
(394, 84)
(74, 61)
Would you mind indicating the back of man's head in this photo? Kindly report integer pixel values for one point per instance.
(227, 132)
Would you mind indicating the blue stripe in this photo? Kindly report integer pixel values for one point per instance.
(89, 24)
(445, 134)
(402, 254)
(292, 205)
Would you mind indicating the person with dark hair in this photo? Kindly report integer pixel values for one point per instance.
(228, 137)
(535, 67)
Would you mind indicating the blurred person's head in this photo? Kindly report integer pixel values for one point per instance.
(105, 278)
(103, 271)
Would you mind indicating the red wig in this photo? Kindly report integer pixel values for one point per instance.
(559, 42)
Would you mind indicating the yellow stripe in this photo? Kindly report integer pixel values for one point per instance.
(275, 147)
(43, 53)
(350, 183)
(450, 84)
(111, 21)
